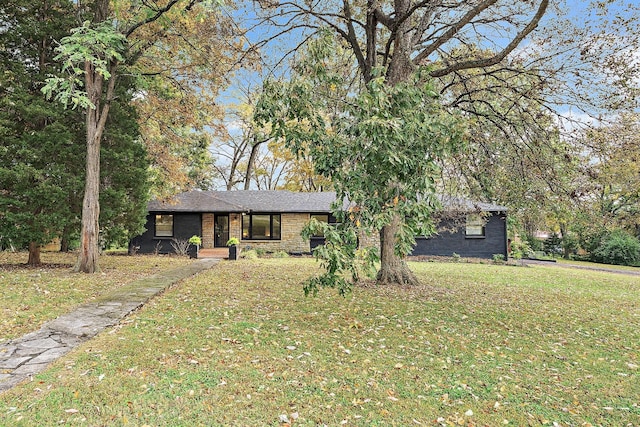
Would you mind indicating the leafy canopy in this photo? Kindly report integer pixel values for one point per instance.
(380, 145)
(98, 47)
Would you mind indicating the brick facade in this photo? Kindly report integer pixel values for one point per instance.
(291, 227)
(369, 240)
(208, 235)
(291, 241)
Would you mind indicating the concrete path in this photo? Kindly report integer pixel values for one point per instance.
(23, 357)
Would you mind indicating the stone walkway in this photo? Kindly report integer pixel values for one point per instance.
(23, 357)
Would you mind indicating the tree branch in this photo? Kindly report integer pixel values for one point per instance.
(486, 62)
(159, 12)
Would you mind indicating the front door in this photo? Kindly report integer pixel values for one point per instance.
(221, 230)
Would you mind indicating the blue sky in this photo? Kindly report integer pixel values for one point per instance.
(578, 13)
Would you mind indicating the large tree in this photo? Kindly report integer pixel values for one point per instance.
(39, 161)
(42, 162)
(611, 167)
(379, 144)
(453, 38)
(115, 38)
(401, 37)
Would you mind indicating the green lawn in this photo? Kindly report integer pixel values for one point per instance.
(31, 296)
(240, 345)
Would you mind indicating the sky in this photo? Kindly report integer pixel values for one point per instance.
(579, 13)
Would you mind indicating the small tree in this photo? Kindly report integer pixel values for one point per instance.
(553, 245)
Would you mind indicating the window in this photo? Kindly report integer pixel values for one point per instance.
(474, 226)
(320, 218)
(164, 225)
(261, 227)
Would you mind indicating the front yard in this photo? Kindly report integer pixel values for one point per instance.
(31, 296)
(241, 345)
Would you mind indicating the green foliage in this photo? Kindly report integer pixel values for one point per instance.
(339, 256)
(100, 45)
(534, 243)
(195, 240)
(570, 243)
(618, 247)
(379, 144)
(249, 254)
(233, 241)
(498, 259)
(124, 170)
(553, 245)
(42, 161)
(39, 160)
(521, 249)
(280, 254)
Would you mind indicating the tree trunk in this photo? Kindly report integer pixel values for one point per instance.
(64, 240)
(393, 269)
(34, 254)
(89, 254)
(250, 165)
(566, 250)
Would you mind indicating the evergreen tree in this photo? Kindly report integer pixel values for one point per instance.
(42, 152)
(39, 167)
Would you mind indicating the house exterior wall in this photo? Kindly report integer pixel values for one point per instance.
(290, 229)
(208, 232)
(370, 240)
(185, 225)
(446, 243)
(235, 226)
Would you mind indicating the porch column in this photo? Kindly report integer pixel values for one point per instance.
(207, 231)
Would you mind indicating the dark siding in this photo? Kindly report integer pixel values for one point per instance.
(446, 243)
(185, 225)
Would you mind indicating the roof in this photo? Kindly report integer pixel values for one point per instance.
(277, 201)
(246, 201)
(462, 204)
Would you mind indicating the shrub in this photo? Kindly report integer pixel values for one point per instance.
(280, 254)
(180, 246)
(249, 254)
(498, 258)
(553, 245)
(618, 248)
(534, 243)
(521, 249)
(158, 248)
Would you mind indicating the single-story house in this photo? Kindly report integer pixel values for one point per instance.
(273, 220)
